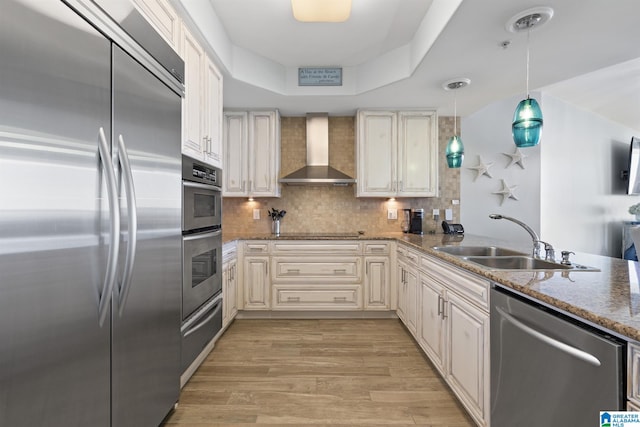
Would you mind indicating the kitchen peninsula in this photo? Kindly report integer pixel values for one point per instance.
(605, 298)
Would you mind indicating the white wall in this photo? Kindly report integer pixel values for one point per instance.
(569, 191)
(488, 133)
(584, 200)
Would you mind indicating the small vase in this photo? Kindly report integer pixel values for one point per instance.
(638, 217)
(275, 227)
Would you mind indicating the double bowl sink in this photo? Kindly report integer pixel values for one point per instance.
(496, 258)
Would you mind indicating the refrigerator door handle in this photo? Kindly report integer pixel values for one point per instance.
(114, 216)
(204, 321)
(566, 348)
(132, 218)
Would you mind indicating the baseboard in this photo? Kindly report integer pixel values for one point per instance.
(267, 314)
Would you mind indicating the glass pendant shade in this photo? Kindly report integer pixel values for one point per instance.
(527, 123)
(455, 152)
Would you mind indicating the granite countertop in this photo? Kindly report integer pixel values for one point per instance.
(609, 298)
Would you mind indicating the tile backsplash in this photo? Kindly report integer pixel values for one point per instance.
(336, 209)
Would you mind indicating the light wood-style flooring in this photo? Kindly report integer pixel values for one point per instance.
(355, 372)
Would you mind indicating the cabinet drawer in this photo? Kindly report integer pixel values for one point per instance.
(467, 285)
(342, 269)
(316, 297)
(256, 247)
(307, 247)
(229, 251)
(377, 248)
(408, 255)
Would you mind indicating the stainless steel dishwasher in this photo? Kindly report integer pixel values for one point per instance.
(550, 371)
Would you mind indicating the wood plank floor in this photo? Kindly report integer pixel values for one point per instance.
(355, 372)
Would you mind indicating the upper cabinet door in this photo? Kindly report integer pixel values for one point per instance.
(163, 18)
(376, 153)
(252, 153)
(397, 154)
(213, 111)
(418, 154)
(192, 118)
(235, 153)
(202, 105)
(264, 158)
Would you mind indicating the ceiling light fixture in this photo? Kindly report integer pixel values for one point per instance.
(321, 10)
(455, 148)
(526, 127)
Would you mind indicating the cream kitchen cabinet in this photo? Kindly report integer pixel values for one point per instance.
(454, 332)
(407, 289)
(377, 275)
(163, 18)
(377, 283)
(431, 334)
(633, 374)
(315, 275)
(229, 283)
(255, 276)
(251, 153)
(397, 153)
(467, 362)
(202, 104)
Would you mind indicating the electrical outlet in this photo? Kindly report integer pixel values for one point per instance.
(448, 215)
(455, 202)
(256, 214)
(392, 213)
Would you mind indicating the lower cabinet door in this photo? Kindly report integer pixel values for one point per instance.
(377, 285)
(256, 283)
(411, 296)
(468, 355)
(431, 333)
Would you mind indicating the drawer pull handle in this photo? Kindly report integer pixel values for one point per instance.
(293, 299)
(340, 271)
(340, 299)
(377, 249)
(293, 271)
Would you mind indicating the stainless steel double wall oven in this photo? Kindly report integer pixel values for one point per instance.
(201, 257)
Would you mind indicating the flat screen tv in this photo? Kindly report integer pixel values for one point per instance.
(633, 185)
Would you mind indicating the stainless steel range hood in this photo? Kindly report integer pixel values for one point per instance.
(317, 171)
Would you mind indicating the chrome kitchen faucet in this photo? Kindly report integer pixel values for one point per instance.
(549, 251)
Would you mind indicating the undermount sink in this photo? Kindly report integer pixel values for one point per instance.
(477, 251)
(516, 263)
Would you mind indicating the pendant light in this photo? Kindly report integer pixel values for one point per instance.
(455, 148)
(526, 127)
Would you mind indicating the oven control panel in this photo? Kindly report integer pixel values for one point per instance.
(194, 170)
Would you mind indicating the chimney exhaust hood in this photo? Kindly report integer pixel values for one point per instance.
(317, 171)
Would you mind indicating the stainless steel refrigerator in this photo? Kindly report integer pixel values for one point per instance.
(90, 231)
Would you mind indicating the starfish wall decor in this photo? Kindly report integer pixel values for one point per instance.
(506, 192)
(481, 169)
(516, 158)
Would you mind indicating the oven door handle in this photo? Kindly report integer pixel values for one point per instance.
(114, 216)
(201, 186)
(198, 236)
(194, 328)
(132, 218)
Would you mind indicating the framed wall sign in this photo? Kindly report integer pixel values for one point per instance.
(319, 76)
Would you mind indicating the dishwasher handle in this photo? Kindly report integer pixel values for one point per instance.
(566, 348)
